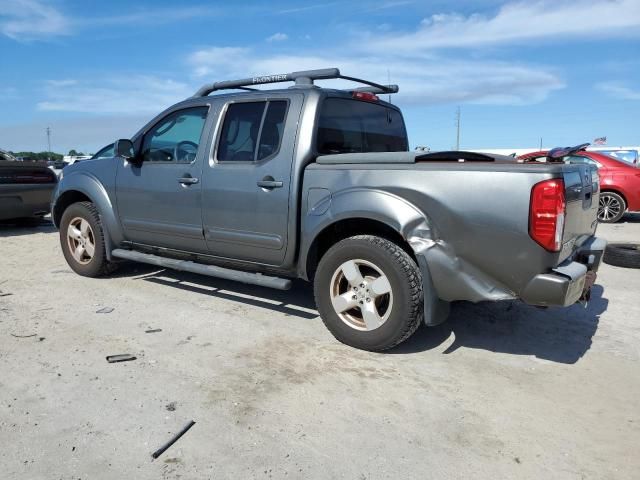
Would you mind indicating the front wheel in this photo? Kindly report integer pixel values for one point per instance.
(611, 207)
(369, 293)
(82, 240)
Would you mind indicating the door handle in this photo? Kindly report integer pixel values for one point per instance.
(188, 180)
(269, 182)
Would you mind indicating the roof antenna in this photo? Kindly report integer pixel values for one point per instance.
(389, 82)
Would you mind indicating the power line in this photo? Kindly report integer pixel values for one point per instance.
(49, 141)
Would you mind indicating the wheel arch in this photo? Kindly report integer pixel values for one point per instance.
(617, 191)
(81, 187)
(357, 212)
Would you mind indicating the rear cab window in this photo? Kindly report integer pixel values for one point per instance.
(354, 126)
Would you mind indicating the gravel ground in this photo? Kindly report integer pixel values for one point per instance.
(499, 391)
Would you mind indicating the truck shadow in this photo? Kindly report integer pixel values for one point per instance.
(560, 335)
(296, 302)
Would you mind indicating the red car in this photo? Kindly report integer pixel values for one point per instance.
(619, 182)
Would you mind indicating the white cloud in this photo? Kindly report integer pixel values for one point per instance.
(423, 82)
(204, 61)
(127, 94)
(277, 37)
(152, 16)
(515, 22)
(26, 20)
(619, 90)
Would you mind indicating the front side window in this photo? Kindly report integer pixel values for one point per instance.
(244, 123)
(176, 137)
(354, 126)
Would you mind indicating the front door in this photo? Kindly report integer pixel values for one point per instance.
(247, 182)
(160, 202)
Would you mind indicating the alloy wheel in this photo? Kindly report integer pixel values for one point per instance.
(361, 295)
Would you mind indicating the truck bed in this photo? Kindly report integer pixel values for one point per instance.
(476, 237)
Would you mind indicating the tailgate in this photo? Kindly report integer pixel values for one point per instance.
(582, 194)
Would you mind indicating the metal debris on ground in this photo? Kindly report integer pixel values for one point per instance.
(123, 357)
(175, 438)
(105, 310)
(5, 294)
(171, 406)
(153, 330)
(23, 336)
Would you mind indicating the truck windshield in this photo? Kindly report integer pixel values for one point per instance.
(354, 126)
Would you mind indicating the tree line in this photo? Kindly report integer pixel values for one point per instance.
(44, 156)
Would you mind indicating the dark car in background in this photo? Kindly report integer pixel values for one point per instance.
(619, 181)
(25, 189)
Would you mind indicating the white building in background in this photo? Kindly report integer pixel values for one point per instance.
(71, 159)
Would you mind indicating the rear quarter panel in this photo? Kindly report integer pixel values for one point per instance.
(476, 220)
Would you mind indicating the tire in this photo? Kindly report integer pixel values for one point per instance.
(380, 315)
(92, 261)
(611, 208)
(622, 255)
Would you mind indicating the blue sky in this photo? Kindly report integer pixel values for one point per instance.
(566, 71)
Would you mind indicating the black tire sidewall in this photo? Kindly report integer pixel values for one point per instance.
(622, 210)
(391, 332)
(622, 255)
(96, 265)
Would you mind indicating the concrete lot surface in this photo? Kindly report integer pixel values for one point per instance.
(499, 391)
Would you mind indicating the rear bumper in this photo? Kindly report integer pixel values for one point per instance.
(24, 200)
(570, 281)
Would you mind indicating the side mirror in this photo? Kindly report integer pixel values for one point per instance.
(124, 148)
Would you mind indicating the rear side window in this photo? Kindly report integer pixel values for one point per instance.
(252, 131)
(353, 126)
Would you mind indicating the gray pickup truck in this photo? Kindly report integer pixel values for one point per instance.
(262, 186)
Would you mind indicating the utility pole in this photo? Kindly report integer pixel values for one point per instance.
(540, 143)
(49, 142)
(389, 81)
(458, 128)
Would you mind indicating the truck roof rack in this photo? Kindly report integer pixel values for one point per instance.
(304, 78)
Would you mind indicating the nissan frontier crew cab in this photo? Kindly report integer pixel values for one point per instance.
(263, 186)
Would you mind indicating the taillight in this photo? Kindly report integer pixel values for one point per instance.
(546, 215)
(366, 96)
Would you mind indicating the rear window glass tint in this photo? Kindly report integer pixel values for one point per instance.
(353, 126)
(240, 132)
(271, 134)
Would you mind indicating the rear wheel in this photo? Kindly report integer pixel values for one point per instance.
(369, 293)
(82, 240)
(612, 207)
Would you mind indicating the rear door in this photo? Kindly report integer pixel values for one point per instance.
(160, 202)
(246, 184)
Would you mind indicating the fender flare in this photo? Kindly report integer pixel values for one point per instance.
(326, 209)
(93, 189)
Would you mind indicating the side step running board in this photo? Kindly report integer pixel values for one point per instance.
(202, 269)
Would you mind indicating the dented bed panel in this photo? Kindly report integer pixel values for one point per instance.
(469, 223)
